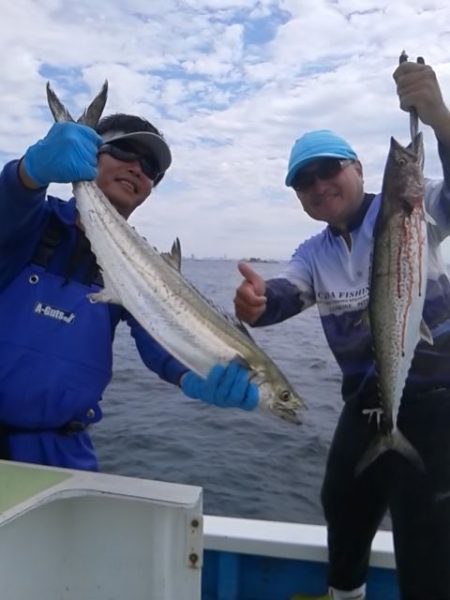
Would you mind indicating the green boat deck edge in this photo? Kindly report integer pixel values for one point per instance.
(19, 483)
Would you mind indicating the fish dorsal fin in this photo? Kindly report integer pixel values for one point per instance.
(429, 219)
(234, 321)
(230, 318)
(174, 256)
(240, 360)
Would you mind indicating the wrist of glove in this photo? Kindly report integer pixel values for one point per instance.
(67, 153)
(225, 386)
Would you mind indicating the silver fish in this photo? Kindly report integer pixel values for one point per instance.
(397, 291)
(151, 288)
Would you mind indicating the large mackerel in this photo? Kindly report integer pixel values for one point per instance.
(397, 290)
(150, 286)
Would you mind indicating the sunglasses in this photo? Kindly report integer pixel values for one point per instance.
(149, 167)
(326, 168)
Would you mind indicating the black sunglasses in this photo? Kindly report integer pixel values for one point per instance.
(149, 167)
(326, 168)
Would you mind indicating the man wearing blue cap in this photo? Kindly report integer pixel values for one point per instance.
(332, 270)
(56, 345)
(322, 156)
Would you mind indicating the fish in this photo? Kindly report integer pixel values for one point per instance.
(151, 287)
(398, 282)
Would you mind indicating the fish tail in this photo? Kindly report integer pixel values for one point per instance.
(395, 441)
(402, 445)
(376, 448)
(93, 112)
(57, 108)
(91, 115)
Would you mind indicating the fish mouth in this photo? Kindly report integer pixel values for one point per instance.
(289, 414)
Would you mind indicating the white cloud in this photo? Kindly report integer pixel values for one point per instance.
(231, 84)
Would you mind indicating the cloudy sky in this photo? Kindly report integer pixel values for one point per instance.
(231, 83)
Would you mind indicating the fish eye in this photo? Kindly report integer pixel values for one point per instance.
(285, 396)
(401, 162)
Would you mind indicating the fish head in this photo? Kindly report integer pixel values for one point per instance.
(277, 396)
(403, 175)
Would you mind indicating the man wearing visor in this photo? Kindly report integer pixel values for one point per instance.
(332, 270)
(55, 345)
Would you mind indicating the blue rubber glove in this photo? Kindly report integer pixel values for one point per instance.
(225, 386)
(67, 153)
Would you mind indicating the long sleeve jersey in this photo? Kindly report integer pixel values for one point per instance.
(326, 271)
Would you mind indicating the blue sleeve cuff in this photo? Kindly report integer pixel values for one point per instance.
(18, 204)
(283, 302)
(11, 181)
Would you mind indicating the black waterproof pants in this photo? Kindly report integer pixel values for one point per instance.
(419, 502)
(3, 444)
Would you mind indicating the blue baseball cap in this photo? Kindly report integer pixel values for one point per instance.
(321, 143)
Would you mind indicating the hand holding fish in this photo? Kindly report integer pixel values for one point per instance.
(67, 153)
(227, 387)
(418, 87)
(250, 300)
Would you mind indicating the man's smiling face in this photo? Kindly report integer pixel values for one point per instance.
(123, 183)
(336, 199)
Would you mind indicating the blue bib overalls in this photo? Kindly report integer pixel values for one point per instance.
(55, 362)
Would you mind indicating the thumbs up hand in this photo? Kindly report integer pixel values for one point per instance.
(250, 300)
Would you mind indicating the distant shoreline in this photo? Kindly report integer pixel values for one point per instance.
(225, 259)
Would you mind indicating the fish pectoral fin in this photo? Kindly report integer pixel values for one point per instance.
(429, 219)
(106, 296)
(240, 360)
(425, 333)
(364, 319)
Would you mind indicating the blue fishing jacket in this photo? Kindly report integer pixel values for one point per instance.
(324, 271)
(55, 344)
